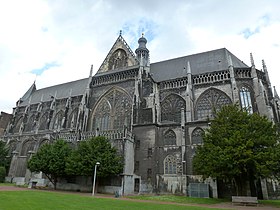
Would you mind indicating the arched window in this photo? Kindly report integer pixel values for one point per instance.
(30, 123)
(26, 147)
(18, 125)
(170, 165)
(197, 135)
(72, 120)
(209, 102)
(43, 122)
(57, 123)
(170, 138)
(118, 59)
(171, 108)
(113, 112)
(245, 99)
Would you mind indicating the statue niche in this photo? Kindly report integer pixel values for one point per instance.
(118, 59)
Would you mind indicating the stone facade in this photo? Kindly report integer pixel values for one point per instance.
(155, 114)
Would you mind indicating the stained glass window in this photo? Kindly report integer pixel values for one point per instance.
(197, 135)
(171, 108)
(245, 99)
(210, 101)
(170, 165)
(170, 138)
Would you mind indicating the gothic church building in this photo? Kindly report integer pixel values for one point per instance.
(154, 113)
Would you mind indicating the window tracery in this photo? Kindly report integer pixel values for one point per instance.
(26, 147)
(169, 138)
(171, 108)
(197, 135)
(113, 111)
(18, 125)
(209, 102)
(245, 99)
(43, 122)
(118, 59)
(30, 123)
(57, 123)
(170, 165)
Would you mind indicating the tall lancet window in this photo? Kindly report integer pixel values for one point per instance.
(245, 99)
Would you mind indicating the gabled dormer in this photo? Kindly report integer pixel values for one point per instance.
(119, 57)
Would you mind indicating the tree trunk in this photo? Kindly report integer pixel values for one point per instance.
(241, 185)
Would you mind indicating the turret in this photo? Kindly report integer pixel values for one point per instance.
(142, 52)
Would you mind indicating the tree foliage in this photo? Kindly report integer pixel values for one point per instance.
(4, 152)
(51, 160)
(238, 146)
(89, 152)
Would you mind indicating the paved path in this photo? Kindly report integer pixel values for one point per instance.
(226, 205)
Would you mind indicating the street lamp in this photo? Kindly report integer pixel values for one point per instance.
(94, 177)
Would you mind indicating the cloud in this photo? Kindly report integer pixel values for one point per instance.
(57, 41)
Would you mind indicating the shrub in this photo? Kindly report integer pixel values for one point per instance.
(2, 174)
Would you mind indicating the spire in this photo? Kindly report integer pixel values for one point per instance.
(266, 73)
(275, 93)
(230, 61)
(142, 50)
(252, 60)
(188, 68)
(91, 70)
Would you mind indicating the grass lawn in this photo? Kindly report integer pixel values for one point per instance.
(44, 200)
(275, 203)
(180, 199)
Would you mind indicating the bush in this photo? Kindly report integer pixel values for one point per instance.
(2, 174)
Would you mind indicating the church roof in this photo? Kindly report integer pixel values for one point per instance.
(211, 61)
(60, 91)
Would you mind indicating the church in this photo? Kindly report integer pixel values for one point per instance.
(154, 113)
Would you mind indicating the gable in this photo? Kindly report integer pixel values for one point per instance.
(119, 57)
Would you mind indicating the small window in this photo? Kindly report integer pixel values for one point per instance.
(149, 173)
(137, 146)
(136, 166)
(150, 152)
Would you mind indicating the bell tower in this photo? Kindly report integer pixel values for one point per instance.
(142, 53)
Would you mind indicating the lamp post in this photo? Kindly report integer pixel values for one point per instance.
(94, 177)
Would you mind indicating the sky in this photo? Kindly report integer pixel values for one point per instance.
(52, 42)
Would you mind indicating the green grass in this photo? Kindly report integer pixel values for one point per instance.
(44, 200)
(179, 199)
(7, 184)
(275, 203)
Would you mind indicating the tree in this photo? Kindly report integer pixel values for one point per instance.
(89, 152)
(51, 160)
(4, 152)
(238, 146)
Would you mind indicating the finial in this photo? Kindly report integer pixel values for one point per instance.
(91, 69)
(188, 67)
(264, 66)
(252, 60)
(275, 92)
(120, 32)
(142, 34)
(230, 61)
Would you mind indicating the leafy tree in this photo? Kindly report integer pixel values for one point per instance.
(2, 174)
(51, 160)
(89, 152)
(238, 146)
(4, 152)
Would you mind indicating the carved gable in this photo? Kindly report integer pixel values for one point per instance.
(119, 57)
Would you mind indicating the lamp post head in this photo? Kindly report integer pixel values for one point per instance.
(97, 163)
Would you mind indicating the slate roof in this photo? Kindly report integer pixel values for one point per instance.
(211, 61)
(62, 91)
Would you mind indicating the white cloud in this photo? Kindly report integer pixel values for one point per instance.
(75, 34)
